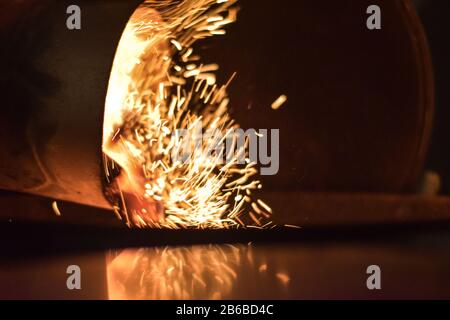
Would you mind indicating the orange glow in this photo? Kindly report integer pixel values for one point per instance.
(157, 87)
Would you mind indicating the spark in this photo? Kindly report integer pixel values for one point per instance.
(56, 209)
(292, 226)
(279, 102)
(158, 86)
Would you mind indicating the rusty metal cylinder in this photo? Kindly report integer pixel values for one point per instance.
(53, 87)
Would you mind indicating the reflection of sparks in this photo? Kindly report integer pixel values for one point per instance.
(201, 272)
(193, 272)
(157, 86)
(283, 277)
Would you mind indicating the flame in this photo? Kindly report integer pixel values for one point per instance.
(158, 86)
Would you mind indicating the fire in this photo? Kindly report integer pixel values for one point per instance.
(157, 87)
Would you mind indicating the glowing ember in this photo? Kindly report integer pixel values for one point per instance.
(157, 87)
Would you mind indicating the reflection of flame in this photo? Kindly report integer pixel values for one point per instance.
(198, 272)
(158, 86)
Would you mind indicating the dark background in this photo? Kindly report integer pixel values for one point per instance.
(434, 15)
(359, 103)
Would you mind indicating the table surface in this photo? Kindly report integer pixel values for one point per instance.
(301, 264)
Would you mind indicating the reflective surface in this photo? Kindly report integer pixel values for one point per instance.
(256, 271)
(196, 272)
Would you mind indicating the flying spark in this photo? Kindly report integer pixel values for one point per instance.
(279, 102)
